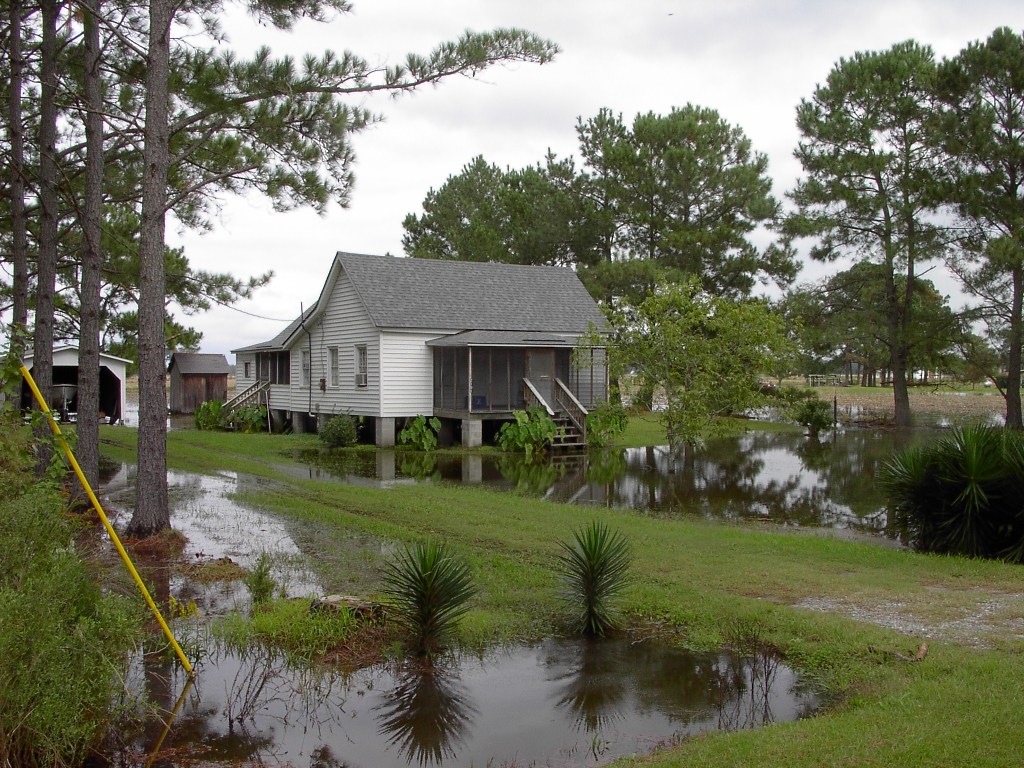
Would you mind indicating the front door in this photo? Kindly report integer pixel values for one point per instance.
(540, 369)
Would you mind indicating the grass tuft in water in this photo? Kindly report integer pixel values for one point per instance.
(595, 566)
(259, 581)
(289, 625)
(429, 588)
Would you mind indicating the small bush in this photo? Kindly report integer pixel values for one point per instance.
(429, 588)
(421, 433)
(595, 567)
(815, 415)
(961, 494)
(64, 645)
(250, 419)
(210, 415)
(259, 581)
(606, 422)
(339, 431)
(530, 433)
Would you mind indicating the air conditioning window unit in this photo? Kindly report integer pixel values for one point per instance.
(360, 379)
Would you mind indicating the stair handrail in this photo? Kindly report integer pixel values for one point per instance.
(531, 396)
(250, 393)
(573, 408)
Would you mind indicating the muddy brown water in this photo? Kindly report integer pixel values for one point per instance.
(561, 702)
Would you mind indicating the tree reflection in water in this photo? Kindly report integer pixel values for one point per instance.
(427, 715)
(592, 688)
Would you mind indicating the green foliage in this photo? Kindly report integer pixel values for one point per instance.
(210, 415)
(250, 418)
(606, 422)
(961, 494)
(804, 407)
(421, 433)
(595, 566)
(704, 352)
(429, 588)
(288, 625)
(339, 431)
(259, 581)
(63, 643)
(530, 432)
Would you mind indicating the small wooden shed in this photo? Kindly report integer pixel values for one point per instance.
(196, 378)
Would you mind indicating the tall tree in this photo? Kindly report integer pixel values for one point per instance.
(870, 183)
(92, 258)
(302, 155)
(983, 130)
(46, 260)
(16, 166)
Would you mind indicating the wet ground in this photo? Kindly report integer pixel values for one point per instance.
(556, 703)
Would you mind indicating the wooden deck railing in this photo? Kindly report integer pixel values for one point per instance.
(532, 397)
(573, 408)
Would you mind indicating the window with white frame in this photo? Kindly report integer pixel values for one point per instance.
(305, 368)
(361, 366)
(332, 363)
(247, 365)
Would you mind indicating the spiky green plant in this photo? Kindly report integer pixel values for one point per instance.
(595, 567)
(962, 494)
(429, 588)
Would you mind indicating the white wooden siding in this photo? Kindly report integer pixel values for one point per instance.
(407, 373)
(344, 324)
(242, 383)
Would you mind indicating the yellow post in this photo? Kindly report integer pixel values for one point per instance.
(106, 523)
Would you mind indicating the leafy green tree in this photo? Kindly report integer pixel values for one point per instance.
(531, 216)
(870, 182)
(982, 90)
(706, 352)
(843, 319)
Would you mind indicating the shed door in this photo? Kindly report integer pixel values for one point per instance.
(540, 369)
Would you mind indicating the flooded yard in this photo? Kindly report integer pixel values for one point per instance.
(561, 702)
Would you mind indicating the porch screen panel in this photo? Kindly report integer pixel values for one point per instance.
(501, 398)
(482, 400)
(517, 372)
(461, 379)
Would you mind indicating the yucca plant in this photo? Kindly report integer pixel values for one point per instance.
(595, 567)
(429, 588)
(962, 494)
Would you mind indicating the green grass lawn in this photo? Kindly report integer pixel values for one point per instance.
(700, 584)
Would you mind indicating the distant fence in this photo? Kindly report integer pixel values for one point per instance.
(824, 380)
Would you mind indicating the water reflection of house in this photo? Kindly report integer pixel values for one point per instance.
(391, 338)
(64, 394)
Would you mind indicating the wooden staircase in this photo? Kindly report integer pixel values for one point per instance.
(570, 418)
(258, 393)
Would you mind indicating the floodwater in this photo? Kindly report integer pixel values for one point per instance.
(554, 703)
(784, 478)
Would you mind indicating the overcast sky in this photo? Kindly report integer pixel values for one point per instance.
(751, 60)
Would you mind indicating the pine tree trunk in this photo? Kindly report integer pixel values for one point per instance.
(1013, 408)
(152, 513)
(46, 268)
(19, 239)
(88, 450)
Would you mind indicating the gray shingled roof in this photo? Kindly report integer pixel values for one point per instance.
(278, 341)
(428, 293)
(192, 363)
(503, 339)
(461, 295)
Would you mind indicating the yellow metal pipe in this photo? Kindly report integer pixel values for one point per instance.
(106, 522)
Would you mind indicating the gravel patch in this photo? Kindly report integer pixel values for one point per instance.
(991, 617)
